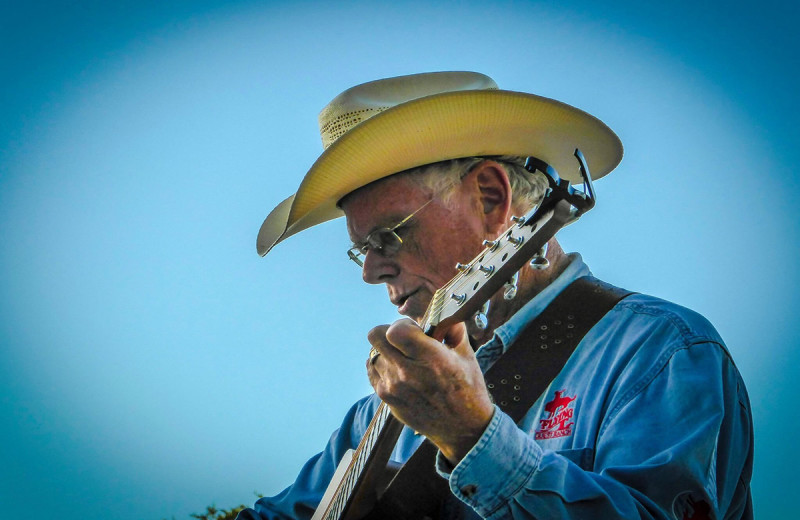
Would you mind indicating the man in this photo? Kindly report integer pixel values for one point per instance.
(648, 418)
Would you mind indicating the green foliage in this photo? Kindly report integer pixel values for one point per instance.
(212, 513)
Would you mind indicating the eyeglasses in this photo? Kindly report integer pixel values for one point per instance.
(384, 241)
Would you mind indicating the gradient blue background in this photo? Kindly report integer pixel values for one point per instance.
(151, 363)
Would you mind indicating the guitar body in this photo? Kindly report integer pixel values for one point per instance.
(406, 498)
(362, 473)
(366, 505)
(336, 481)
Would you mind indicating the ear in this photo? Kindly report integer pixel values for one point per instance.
(494, 193)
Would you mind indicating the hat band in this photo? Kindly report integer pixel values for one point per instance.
(338, 126)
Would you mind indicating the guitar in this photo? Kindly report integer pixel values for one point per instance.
(354, 488)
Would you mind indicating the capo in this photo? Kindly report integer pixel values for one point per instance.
(560, 189)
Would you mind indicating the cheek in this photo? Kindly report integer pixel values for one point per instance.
(436, 259)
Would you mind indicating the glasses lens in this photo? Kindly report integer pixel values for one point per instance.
(385, 241)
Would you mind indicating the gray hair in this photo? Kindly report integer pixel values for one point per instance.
(527, 189)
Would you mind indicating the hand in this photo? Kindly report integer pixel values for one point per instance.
(436, 389)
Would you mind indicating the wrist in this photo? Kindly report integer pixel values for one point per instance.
(455, 448)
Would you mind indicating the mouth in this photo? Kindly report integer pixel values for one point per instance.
(402, 302)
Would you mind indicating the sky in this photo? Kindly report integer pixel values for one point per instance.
(152, 364)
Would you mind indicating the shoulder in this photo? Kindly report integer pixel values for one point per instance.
(643, 335)
(640, 319)
(644, 339)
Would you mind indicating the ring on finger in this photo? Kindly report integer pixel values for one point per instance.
(373, 355)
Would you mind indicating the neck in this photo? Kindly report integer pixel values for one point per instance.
(531, 282)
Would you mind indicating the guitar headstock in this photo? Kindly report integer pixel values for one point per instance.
(477, 281)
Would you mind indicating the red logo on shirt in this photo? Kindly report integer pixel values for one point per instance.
(559, 420)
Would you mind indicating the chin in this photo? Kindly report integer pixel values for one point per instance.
(417, 311)
(414, 313)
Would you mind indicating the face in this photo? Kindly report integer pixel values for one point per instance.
(434, 241)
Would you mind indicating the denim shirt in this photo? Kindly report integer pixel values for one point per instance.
(649, 418)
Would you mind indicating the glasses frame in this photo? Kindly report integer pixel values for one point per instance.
(381, 246)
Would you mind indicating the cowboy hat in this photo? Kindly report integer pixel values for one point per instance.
(383, 127)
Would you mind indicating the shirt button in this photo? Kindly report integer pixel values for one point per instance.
(469, 490)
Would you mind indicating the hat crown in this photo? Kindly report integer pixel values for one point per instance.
(359, 103)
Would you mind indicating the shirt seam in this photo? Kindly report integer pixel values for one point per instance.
(648, 379)
(687, 333)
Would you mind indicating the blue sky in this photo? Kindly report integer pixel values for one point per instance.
(151, 363)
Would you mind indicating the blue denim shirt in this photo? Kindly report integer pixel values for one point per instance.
(649, 418)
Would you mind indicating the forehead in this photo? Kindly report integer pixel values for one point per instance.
(382, 203)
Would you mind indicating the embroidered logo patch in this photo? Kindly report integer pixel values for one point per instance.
(558, 422)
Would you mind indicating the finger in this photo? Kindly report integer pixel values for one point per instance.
(377, 335)
(373, 375)
(374, 353)
(377, 338)
(457, 339)
(409, 339)
(377, 373)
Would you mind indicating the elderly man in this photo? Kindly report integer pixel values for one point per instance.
(646, 418)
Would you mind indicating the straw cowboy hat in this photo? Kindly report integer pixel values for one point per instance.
(386, 126)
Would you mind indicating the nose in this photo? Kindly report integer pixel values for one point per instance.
(378, 268)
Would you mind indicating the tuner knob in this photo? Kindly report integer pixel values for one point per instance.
(510, 287)
(459, 298)
(519, 220)
(540, 263)
(540, 260)
(481, 317)
(491, 244)
(517, 241)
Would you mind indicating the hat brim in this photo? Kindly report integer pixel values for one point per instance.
(437, 128)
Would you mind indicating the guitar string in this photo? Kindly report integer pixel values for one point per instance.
(353, 477)
(357, 465)
(362, 452)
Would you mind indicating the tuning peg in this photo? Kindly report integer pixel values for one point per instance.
(481, 317)
(540, 260)
(517, 241)
(510, 287)
(519, 220)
